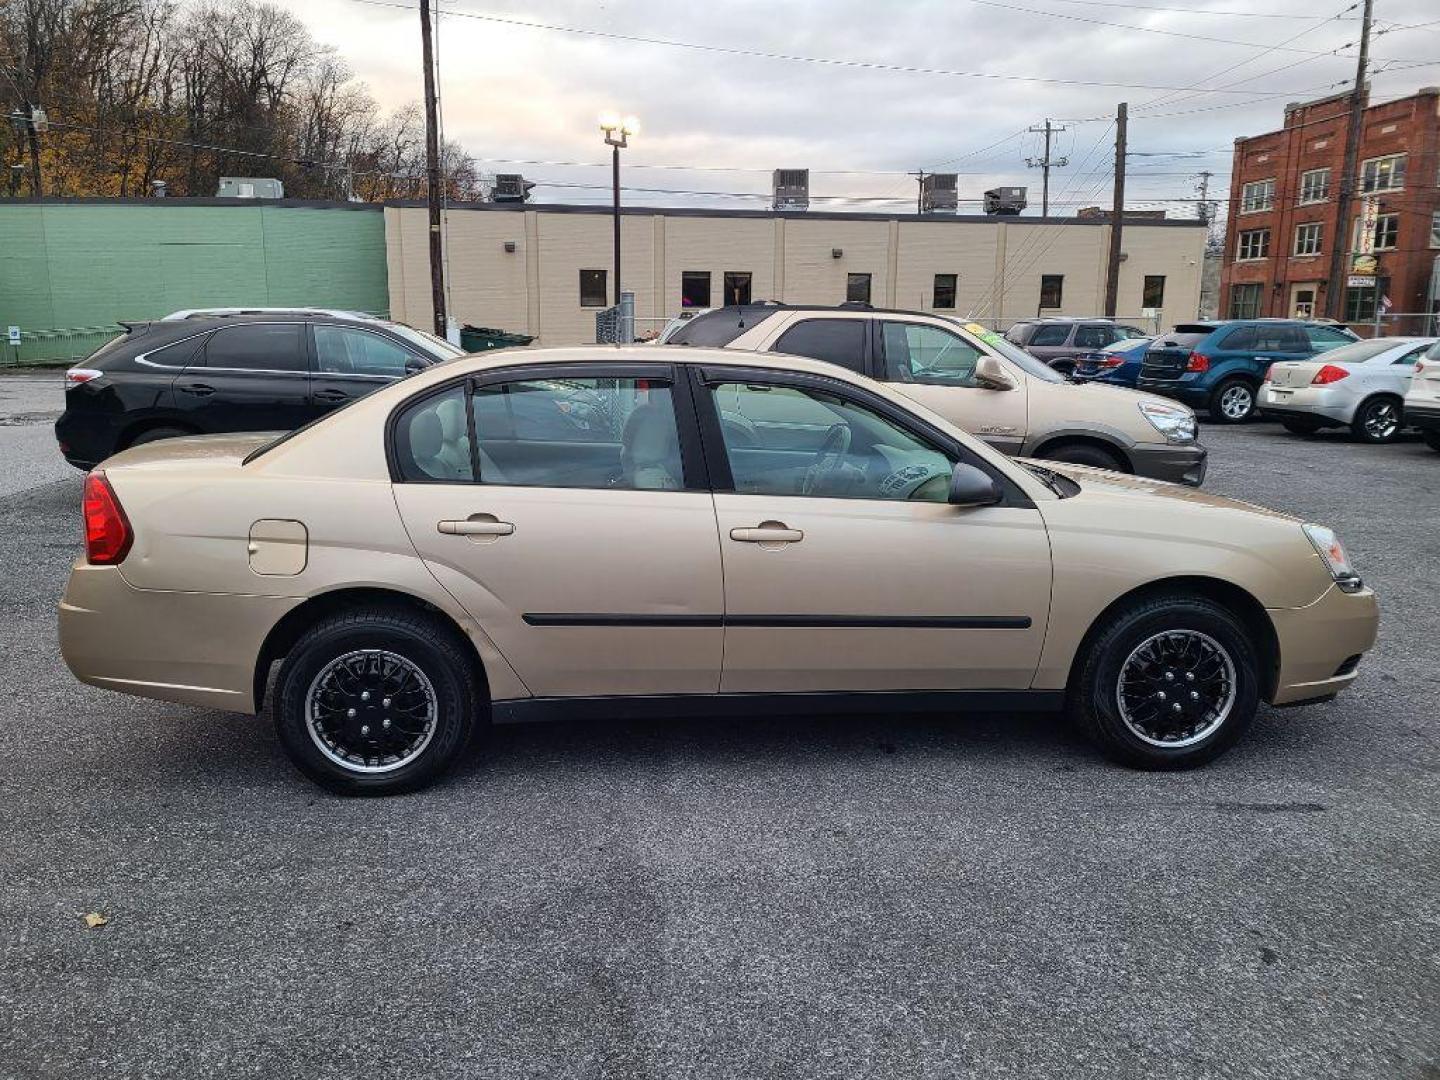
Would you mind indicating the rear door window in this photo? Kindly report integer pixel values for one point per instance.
(258, 347)
(836, 341)
(1050, 335)
(1095, 336)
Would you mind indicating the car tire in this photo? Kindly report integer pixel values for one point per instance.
(1378, 420)
(1299, 425)
(1431, 437)
(352, 674)
(1085, 454)
(1064, 367)
(1145, 645)
(155, 434)
(1233, 402)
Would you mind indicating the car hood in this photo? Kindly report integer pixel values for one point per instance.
(1099, 395)
(1127, 489)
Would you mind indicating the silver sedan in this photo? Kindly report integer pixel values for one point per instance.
(1361, 386)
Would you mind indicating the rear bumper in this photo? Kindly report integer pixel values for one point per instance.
(1181, 464)
(1327, 407)
(164, 645)
(1320, 644)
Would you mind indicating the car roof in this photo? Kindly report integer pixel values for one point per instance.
(229, 312)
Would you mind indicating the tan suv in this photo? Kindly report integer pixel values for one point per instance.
(976, 379)
(588, 531)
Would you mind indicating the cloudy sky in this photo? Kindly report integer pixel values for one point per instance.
(948, 85)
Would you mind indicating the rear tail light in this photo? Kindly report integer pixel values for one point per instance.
(1110, 360)
(1329, 374)
(107, 530)
(77, 376)
(1269, 374)
(1197, 362)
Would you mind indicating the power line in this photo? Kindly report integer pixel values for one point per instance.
(1186, 10)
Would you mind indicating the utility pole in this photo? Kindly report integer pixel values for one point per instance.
(1045, 164)
(919, 175)
(432, 173)
(1204, 191)
(1112, 275)
(1339, 244)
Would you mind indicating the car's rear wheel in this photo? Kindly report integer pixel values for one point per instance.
(155, 434)
(1064, 366)
(376, 701)
(1299, 425)
(1378, 420)
(1169, 682)
(1085, 454)
(1233, 402)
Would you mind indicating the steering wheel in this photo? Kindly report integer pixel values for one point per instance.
(828, 460)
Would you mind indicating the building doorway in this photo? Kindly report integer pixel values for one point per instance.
(1302, 301)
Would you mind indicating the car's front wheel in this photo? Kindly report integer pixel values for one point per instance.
(1233, 402)
(1169, 682)
(376, 701)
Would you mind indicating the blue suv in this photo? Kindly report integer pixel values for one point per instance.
(1219, 365)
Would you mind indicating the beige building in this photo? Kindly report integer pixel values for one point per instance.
(546, 270)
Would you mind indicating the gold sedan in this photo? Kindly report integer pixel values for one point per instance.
(666, 530)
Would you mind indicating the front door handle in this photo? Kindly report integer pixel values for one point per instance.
(476, 525)
(197, 388)
(768, 532)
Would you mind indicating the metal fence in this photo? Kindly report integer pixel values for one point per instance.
(61, 346)
(616, 325)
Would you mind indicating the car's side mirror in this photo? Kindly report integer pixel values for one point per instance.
(990, 374)
(970, 486)
(414, 364)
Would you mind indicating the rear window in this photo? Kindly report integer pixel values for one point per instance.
(1183, 337)
(717, 329)
(836, 341)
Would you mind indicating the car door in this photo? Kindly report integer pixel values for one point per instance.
(248, 377)
(936, 367)
(586, 547)
(351, 361)
(844, 567)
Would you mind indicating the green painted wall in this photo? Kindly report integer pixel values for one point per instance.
(70, 265)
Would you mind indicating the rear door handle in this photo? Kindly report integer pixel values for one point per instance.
(197, 388)
(768, 532)
(476, 525)
(331, 395)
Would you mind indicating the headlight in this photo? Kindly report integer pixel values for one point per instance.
(1332, 554)
(1175, 422)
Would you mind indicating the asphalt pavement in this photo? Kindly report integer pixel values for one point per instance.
(874, 896)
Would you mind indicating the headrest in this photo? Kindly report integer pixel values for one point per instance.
(427, 436)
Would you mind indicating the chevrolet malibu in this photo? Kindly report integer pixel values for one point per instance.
(434, 558)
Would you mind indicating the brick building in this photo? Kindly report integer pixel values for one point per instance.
(1282, 223)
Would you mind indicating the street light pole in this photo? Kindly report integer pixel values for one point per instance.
(617, 136)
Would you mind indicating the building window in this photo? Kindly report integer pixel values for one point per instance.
(1257, 195)
(737, 286)
(1244, 301)
(1052, 290)
(944, 294)
(592, 288)
(1314, 186)
(1435, 229)
(1254, 244)
(1360, 302)
(695, 289)
(857, 288)
(1383, 173)
(1307, 238)
(1153, 295)
(1387, 233)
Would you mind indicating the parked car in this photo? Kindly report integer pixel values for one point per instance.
(1422, 399)
(413, 567)
(1061, 341)
(197, 373)
(1219, 365)
(973, 377)
(1114, 365)
(1361, 385)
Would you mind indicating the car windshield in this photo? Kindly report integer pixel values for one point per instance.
(1016, 355)
(434, 346)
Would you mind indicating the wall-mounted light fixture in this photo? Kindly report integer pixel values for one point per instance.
(836, 253)
(510, 247)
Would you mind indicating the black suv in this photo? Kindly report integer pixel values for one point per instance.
(205, 374)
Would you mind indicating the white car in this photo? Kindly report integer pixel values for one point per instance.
(1361, 385)
(1422, 400)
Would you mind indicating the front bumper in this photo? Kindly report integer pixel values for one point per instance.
(1424, 417)
(1321, 643)
(1331, 408)
(1181, 464)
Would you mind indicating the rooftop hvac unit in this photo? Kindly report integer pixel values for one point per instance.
(250, 187)
(1007, 201)
(792, 189)
(938, 194)
(511, 188)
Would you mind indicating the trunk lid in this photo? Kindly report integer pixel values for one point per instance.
(193, 451)
(1295, 373)
(1168, 356)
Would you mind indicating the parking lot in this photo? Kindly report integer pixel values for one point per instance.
(866, 896)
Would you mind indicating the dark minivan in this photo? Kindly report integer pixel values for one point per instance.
(1220, 365)
(271, 371)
